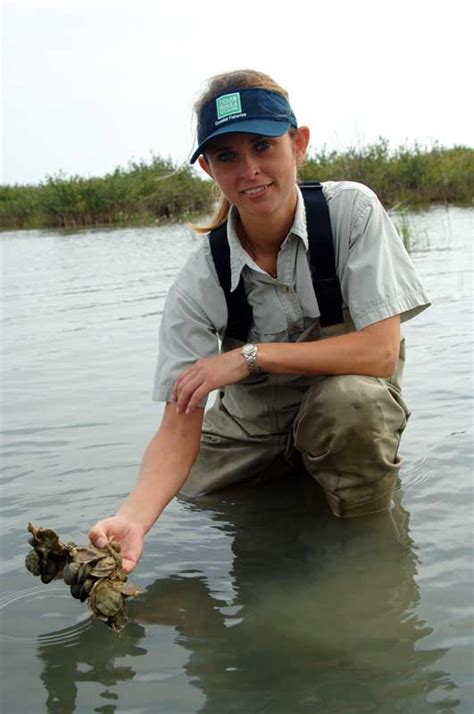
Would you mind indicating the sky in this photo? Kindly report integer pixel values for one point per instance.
(89, 85)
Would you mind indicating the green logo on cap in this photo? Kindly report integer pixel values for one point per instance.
(228, 104)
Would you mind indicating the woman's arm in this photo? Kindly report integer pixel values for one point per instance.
(165, 467)
(372, 351)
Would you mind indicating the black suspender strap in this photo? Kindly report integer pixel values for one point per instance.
(322, 258)
(238, 309)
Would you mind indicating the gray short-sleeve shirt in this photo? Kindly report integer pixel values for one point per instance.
(377, 277)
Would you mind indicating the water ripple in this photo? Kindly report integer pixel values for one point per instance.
(418, 473)
(43, 609)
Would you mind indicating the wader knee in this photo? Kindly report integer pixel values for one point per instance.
(348, 429)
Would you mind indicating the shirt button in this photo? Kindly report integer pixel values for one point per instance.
(286, 288)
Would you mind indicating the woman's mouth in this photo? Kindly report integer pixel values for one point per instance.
(256, 190)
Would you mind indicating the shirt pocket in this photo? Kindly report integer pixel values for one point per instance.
(269, 320)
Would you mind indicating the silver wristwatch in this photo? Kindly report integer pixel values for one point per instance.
(249, 353)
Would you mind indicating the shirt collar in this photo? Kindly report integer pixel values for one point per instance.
(239, 257)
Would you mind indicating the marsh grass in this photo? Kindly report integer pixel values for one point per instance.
(142, 193)
(409, 176)
(157, 191)
(402, 223)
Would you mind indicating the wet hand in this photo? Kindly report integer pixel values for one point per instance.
(130, 536)
(196, 382)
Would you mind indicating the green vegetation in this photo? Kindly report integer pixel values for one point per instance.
(140, 194)
(414, 176)
(402, 223)
(158, 191)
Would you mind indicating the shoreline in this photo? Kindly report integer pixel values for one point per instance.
(153, 222)
(158, 193)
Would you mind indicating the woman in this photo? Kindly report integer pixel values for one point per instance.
(300, 393)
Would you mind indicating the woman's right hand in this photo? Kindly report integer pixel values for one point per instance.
(130, 535)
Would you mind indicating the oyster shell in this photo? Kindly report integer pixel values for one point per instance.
(70, 571)
(93, 574)
(104, 567)
(33, 562)
(106, 599)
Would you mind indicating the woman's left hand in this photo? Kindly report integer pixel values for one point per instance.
(196, 382)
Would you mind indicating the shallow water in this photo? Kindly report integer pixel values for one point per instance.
(261, 602)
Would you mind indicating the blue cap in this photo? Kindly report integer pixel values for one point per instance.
(251, 111)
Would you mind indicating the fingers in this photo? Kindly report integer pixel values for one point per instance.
(132, 548)
(183, 380)
(129, 561)
(178, 385)
(129, 535)
(131, 557)
(98, 536)
(191, 393)
(207, 374)
(179, 382)
(128, 564)
(191, 386)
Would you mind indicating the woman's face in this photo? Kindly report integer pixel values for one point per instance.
(256, 173)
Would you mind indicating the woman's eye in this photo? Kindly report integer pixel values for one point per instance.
(225, 155)
(262, 145)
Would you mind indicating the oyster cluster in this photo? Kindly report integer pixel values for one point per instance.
(93, 574)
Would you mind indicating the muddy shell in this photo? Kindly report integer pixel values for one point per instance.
(70, 571)
(33, 562)
(106, 598)
(104, 567)
(49, 570)
(93, 574)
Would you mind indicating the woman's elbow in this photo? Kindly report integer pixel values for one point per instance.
(388, 360)
(383, 343)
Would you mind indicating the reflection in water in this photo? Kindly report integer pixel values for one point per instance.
(323, 617)
(89, 659)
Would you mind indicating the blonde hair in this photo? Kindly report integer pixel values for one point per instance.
(220, 84)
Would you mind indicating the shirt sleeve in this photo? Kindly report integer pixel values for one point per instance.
(186, 335)
(379, 279)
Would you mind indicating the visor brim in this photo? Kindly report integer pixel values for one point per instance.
(261, 127)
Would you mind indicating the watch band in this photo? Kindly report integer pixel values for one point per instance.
(249, 353)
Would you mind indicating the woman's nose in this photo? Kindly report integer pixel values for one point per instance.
(249, 166)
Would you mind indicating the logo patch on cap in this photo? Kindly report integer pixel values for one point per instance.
(228, 104)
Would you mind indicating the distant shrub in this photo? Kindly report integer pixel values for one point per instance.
(157, 191)
(144, 192)
(412, 175)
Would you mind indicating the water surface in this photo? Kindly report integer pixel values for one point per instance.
(257, 602)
